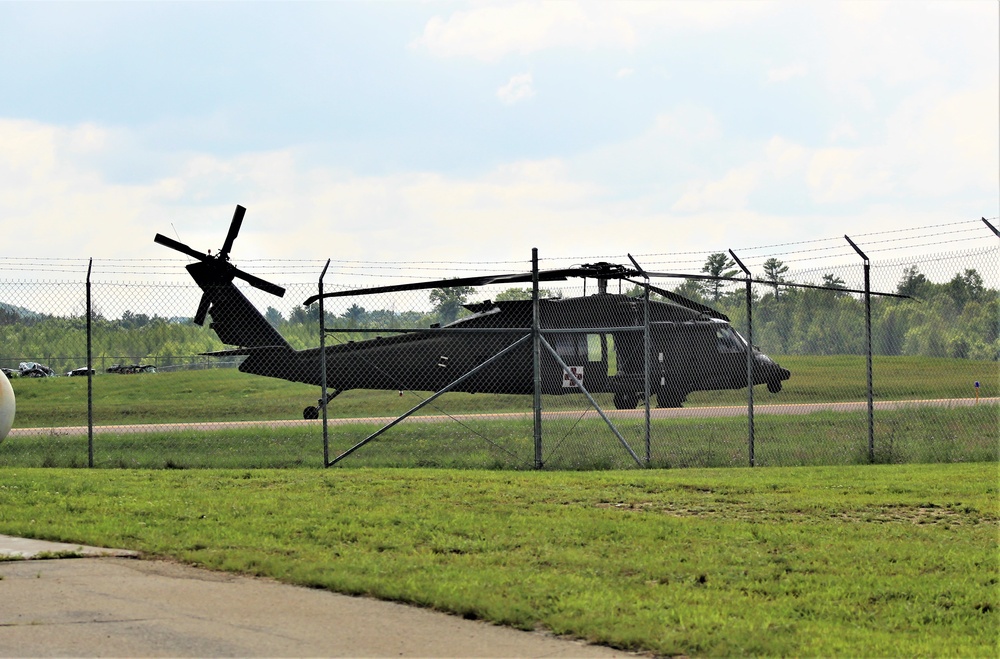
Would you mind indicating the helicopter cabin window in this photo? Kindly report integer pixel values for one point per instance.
(729, 341)
(595, 351)
(612, 355)
(573, 348)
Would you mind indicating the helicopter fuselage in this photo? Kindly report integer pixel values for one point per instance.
(599, 337)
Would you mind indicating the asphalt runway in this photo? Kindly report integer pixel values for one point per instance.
(655, 413)
(109, 603)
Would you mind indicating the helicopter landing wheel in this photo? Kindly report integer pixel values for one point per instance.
(669, 398)
(626, 401)
(310, 412)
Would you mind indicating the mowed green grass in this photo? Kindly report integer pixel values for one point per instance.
(227, 395)
(926, 434)
(821, 561)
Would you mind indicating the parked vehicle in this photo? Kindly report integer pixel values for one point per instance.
(129, 369)
(35, 370)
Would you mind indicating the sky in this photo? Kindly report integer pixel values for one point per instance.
(470, 133)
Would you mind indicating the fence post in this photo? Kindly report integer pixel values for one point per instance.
(322, 366)
(647, 348)
(750, 420)
(868, 350)
(90, 376)
(536, 352)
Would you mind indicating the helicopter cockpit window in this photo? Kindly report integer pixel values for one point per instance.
(729, 341)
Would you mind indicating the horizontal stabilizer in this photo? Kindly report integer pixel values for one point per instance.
(236, 352)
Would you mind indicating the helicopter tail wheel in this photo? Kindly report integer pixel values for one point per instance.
(626, 401)
(310, 412)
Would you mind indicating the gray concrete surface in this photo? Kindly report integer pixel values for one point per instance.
(30, 548)
(106, 605)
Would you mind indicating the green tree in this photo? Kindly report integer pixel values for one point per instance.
(833, 281)
(524, 294)
(691, 289)
(913, 283)
(274, 317)
(717, 265)
(355, 316)
(131, 320)
(305, 315)
(966, 287)
(774, 271)
(448, 301)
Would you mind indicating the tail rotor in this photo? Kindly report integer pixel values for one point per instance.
(217, 270)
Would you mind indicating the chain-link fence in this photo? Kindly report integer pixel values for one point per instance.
(595, 373)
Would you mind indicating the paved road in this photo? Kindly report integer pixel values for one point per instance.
(655, 413)
(114, 606)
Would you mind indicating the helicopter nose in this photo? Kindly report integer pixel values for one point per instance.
(770, 370)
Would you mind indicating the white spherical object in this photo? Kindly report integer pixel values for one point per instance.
(6, 405)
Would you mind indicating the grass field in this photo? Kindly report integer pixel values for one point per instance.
(903, 436)
(227, 395)
(220, 395)
(879, 560)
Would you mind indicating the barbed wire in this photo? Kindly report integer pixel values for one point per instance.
(878, 242)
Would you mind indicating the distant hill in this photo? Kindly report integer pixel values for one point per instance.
(20, 312)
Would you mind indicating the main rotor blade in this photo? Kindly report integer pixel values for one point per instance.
(768, 282)
(485, 280)
(234, 230)
(180, 247)
(203, 304)
(683, 301)
(596, 271)
(257, 282)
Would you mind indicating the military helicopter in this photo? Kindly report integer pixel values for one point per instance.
(599, 337)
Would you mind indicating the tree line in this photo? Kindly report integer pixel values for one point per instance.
(959, 318)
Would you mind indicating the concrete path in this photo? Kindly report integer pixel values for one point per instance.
(106, 605)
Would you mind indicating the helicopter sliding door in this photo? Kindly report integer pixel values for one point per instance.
(676, 371)
(592, 357)
(574, 350)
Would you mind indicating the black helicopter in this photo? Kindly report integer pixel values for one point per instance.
(692, 346)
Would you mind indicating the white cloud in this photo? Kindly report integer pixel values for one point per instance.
(843, 130)
(875, 46)
(778, 161)
(943, 143)
(490, 32)
(788, 72)
(839, 175)
(937, 145)
(688, 123)
(685, 179)
(518, 88)
(784, 158)
(59, 204)
(50, 192)
(728, 193)
(625, 72)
